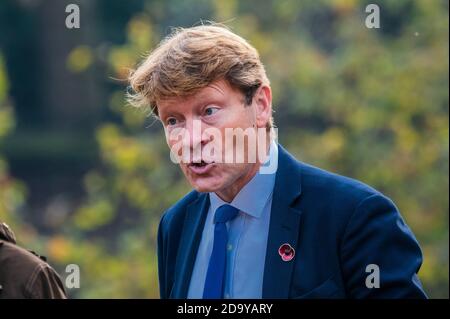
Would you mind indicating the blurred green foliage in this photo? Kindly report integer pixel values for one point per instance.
(370, 104)
(12, 191)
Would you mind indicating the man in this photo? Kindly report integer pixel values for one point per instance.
(248, 230)
(23, 274)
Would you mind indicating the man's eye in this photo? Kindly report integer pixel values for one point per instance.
(211, 110)
(171, 121)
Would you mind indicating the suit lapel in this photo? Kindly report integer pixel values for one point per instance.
(189, 243)
(284, 227)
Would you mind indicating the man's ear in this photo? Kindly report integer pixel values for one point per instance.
(263, 103)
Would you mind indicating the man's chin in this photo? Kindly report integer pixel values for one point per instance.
(205, 186)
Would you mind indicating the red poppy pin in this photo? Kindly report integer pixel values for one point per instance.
(286, 252)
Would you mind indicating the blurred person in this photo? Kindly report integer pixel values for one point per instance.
(297, 232)
(23, 273)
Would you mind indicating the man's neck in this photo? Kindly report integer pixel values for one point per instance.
(230, 192)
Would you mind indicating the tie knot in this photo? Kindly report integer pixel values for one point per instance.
(225, 213)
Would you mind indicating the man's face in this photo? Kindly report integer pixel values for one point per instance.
(216, 107)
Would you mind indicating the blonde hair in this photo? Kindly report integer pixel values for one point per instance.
(190, 59)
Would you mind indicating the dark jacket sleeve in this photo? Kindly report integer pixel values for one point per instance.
(162, 255)
(24, 275)
(44, 283)
(377, 235)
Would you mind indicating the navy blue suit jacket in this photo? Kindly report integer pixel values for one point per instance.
(337, 226)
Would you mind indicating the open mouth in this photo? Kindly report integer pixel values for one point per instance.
(201, 164)
(201, 167)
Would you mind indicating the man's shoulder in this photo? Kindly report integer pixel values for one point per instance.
(334, 199)
(320, 183)
(25, 275)
(18, 270)
(337, 195)
(316, 179)
(16, 258)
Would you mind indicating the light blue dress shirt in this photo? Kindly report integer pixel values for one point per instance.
(247, 238)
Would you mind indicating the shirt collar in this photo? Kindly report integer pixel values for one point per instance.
(252, 198)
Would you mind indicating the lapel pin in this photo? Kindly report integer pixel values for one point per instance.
(286, 252)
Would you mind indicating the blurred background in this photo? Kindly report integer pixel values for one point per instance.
(84, 178)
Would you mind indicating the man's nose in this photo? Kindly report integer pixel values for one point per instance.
(194, 137)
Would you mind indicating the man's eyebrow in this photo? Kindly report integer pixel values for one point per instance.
(208, 101)
(168, 110)
(205, 98)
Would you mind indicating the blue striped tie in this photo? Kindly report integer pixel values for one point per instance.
(215, 277)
